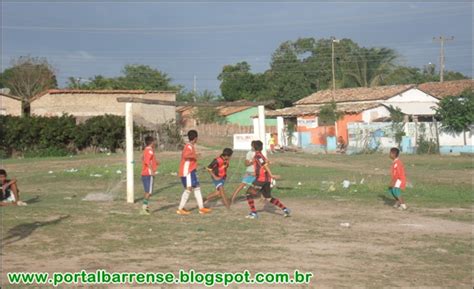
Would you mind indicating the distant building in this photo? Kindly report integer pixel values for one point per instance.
(84, 104)
(10, 105)
(366, 105)
(239, 115)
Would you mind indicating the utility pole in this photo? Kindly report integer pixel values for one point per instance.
(194, 88)
(442, 40)
(333, 40)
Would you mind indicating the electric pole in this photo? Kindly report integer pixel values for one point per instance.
(194, 88)
(442, 40)
(333, 40)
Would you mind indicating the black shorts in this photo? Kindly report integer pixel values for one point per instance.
(265, 188)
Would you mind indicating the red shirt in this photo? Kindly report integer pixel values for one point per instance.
(259, 161)
(398, 174)
(219, 167)
(188, 160)
(149, 163)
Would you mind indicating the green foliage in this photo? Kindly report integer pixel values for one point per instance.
(456, 113)
(136, 76)
(169, 136)
(329, 114)
(27, 77)
(425, 146)
(237, 82)
(414, 75)
(37, 134)
(58, 136)
(398, 124)
(208, 115)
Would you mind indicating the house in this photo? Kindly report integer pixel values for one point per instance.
(9, 104)
(366, 105)
(239, 115)
(84, 104)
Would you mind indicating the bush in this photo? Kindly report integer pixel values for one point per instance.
(38, 136)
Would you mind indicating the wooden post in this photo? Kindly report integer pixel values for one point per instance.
(129, 151)
(261, 126)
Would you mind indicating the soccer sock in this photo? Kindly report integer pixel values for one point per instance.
(277, 203)
(251, 204)
(184, 199)
(145, 203)
(198, 196)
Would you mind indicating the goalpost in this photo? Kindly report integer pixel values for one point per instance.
(130, 163)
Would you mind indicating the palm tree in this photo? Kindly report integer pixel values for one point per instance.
(367, 67)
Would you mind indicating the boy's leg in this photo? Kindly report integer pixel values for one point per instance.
(184, 198)
(234, 194)
(225, 201)
(147, 187)
(267, 194)
(16, 192)
(394, 195)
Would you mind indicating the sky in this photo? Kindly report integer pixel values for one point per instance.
(187, 39)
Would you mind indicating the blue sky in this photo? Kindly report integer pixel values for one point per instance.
(187, 39)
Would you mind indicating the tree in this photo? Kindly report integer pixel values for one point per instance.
(136, 76)
(328, 114)
(208, 114)
(398, 123)
(27, 77)
(237, 82)
(457, 113)
(368, 67)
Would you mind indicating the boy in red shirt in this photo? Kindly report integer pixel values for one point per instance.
(218, 171)
(398, 182)
(188, 174)
(263, 179)
(149, 167)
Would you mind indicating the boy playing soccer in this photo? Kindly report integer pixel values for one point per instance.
(398, 182)
(249, 176)
(218, 171)
(10, 195)
(149, 167)
(263, 177)
(188, 174)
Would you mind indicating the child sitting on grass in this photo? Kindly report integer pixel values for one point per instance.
(10, 194)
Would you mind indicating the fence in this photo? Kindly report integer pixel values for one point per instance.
(381, 136)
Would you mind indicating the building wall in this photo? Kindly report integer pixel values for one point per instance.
(9, 106)
(413, 95)
(84, 105)
(245, 117)
(372, 114)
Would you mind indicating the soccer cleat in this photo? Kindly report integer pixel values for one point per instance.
(183, 212)
(204, 211)
(286, 212)
(396, 206)
(144, 212)
(21, 203)
(402, 207)
(252, 215)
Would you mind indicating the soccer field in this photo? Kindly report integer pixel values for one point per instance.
(429, 245)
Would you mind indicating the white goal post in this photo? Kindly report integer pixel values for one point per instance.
(130, 163)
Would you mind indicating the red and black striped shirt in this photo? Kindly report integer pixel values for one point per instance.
(259, 161)
(219, 167)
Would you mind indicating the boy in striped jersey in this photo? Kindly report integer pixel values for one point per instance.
(218, 171)
(188, 174)
(263, 178)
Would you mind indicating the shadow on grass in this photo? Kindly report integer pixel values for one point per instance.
(22, 231)
(33, 200)
(386, 200)
(161, 189)
(164, 208)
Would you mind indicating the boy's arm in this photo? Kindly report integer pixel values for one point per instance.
(210, 168)
(266, 167)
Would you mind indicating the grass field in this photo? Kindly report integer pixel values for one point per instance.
(428, 246)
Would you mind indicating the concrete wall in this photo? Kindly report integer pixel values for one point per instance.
(9, 106)
(85, 105)
(381, 135)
